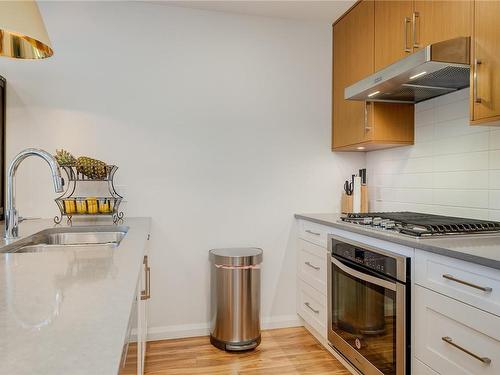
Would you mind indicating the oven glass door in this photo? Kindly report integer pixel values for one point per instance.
(363, 309)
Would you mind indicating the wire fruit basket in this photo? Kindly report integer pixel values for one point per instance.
(72, 205)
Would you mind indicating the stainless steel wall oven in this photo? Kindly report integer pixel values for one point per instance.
(369, 307)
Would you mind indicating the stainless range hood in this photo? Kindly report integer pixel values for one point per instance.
(435, 70)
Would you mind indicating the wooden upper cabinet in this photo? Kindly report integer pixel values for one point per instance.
(402, 27)
(352, 61)
(435, 21)
(393, 31)
(357, 125)
(485, 85)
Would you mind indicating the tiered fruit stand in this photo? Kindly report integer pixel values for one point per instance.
(71, 205)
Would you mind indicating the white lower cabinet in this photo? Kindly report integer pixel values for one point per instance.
(138, 323)
(421, 369)
(312, 232)
(453, 338)
(312, 307)
(312, 276)
(312, 263)
(142, 315)
(473, 284)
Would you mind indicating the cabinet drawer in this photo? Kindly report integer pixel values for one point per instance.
(445, 329)
(312, 232)
(312, 307)
(420, 369)
(312, 267)
(471, 283)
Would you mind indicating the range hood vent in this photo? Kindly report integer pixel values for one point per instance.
(433, 71)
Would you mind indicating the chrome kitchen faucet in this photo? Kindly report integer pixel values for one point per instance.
(11, 215)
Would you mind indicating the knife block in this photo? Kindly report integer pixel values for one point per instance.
(346, 202)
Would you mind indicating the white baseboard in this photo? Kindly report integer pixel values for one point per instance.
(282, 321)
(202, 329)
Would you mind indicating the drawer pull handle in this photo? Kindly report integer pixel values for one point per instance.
(414, 21)
(477, 99)
(146, 294)
(406, 22)
(312, 266)
(308, 305)
(311, 232)
(449, 340)
(483, 288)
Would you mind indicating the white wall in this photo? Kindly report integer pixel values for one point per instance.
(453, 168)
(220, 125)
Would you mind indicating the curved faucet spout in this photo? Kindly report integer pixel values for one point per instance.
(11, 215)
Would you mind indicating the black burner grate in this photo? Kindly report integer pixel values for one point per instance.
(418, 224)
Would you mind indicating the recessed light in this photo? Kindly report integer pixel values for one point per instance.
(373, 94)
(360, 148)
(418, 75)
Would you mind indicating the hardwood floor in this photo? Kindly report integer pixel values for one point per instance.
(282, 352)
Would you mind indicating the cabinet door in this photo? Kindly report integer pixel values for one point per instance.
(353, 50)
(486, 85)
(435, 21)
(129, 364)
(393, 31)
(142, 315)
(454, 338)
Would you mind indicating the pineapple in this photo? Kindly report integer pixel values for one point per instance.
(64, 158)
(91, 168)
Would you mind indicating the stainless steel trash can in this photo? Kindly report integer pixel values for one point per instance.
(235, 298)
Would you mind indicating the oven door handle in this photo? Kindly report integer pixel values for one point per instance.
(362, 276)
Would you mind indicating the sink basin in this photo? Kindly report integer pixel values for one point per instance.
(45, 248)
(90, 237)
(87, 238)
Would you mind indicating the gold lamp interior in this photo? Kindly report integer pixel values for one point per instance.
(22, 31)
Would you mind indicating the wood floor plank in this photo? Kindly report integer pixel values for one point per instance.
(289, 351)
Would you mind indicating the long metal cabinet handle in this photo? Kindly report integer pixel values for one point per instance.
(367, 127)
(477, 99)
(406, 22)
(453, 278)
(368, 278)
(312, 266)
(311, 232)
(449, 340)
(146, 293)
(414, 22)
(308, 305)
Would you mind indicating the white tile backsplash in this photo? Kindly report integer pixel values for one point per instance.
(462, 144)
(495, 199)
(494, 177)
(453, 168)
(466, 161)
(495, 159)
(452, 111)
(495, 140)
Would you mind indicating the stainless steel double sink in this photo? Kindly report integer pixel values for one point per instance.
(57, 239)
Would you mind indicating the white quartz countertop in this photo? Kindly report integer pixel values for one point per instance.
(483, 249)
(67, 312)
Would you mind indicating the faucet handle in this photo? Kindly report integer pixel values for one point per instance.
(21, 218)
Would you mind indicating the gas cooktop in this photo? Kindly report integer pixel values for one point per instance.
(421, 225)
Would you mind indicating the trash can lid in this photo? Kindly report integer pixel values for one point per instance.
(237, 256)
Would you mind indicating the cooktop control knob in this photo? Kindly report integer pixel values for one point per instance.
(367, 220)
(390, 224)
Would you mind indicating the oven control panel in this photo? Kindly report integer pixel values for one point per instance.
(367, 258)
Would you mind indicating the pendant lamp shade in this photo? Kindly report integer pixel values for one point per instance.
(22, 31)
